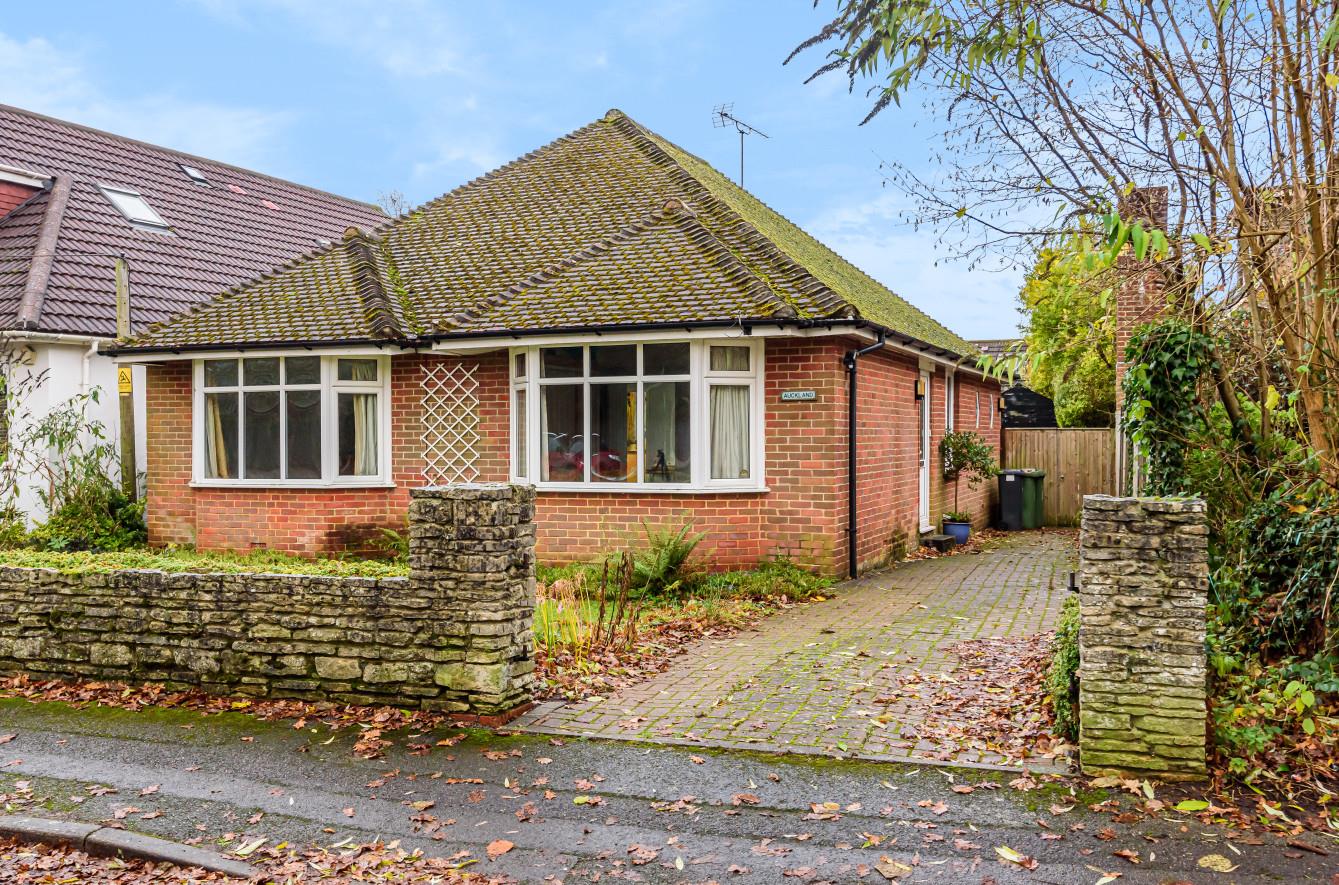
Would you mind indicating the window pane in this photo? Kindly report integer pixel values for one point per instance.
(730, 359)
(221, 373)
(615, 359)
(221, 434)
(729, 432)
(522, 435)
(260, 371)
(560, 362)
(665, 359)
(518, 365)
(261, 444)
(357, 370)
(561, 416)
(613, 432)
(667, 432)
(302, 370)
(304, 433)
(358, 431)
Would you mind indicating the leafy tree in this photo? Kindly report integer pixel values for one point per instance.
(1053, 112)
(1069, 346)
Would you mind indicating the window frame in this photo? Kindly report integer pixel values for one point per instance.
(157, 223)
(330, 388)
(700, 380)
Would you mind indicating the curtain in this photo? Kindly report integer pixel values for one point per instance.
(661, 435)
(365, 431)
(363, 370)
(729, 432)
(216, 447)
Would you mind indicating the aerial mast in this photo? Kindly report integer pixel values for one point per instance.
(722, 116)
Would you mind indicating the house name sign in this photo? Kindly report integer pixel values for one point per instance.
(797, 395)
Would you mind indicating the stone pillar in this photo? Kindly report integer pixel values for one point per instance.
(472, 552)
(1144, 572)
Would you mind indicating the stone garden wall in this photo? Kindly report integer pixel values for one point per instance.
(1144, 573)
(455, 636)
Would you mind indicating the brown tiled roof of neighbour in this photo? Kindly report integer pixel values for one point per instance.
(219, 234)
(610, 225)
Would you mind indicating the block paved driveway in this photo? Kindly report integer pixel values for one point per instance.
(807, 679)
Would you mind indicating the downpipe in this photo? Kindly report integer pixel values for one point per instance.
(849, 361)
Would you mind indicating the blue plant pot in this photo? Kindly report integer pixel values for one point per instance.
(959, 531)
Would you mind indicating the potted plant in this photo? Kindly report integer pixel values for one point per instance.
(964, 453)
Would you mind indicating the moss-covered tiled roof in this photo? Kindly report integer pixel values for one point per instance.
(608, 225)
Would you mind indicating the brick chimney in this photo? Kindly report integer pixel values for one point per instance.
(1141, 290)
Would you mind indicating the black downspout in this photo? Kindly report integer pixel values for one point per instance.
(849, 362)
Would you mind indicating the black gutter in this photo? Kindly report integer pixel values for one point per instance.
(851, 433)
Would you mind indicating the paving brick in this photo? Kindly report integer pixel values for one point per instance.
(808, 677)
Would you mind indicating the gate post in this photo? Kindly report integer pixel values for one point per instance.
(472, 555)
(1144, 567)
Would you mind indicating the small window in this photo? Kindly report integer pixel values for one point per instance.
(134, 207)
(194, 174)
(730, 359)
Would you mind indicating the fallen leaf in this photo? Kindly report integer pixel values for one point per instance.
(1216, 862)
(499, 847)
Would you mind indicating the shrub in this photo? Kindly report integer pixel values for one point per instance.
(1062, 680)
(773, 579)
(965, 453)
(662, 568)
(98, 517)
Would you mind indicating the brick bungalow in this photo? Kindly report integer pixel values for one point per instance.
(609, 318)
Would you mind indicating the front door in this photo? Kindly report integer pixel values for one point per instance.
(926, 525)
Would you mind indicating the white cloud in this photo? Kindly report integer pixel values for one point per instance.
(978, 302)
(41, 77)
(408, 38)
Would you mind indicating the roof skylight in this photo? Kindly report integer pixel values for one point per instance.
(134, 207)
(194, 174)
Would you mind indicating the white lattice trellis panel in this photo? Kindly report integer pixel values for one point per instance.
(450, 423)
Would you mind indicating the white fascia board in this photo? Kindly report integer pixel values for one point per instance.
(15, 175)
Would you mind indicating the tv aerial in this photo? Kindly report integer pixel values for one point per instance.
(723, 117)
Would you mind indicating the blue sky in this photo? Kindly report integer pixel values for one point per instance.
(365, 96)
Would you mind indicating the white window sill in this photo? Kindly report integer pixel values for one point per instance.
(286, 484)
(645, 488)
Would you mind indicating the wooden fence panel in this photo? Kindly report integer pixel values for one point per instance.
(1077, 462)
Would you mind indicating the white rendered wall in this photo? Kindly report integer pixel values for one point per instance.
(65, 370)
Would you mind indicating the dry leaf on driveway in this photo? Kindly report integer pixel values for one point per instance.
(499, 847)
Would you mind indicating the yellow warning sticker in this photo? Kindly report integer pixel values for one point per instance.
(124, 379)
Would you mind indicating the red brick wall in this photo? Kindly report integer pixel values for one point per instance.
(888, 453)
(802, 515)
(12, 194)
(306, 521)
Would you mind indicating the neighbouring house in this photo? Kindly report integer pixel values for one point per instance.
(1024, 408)
(608, 318)
(72, 201)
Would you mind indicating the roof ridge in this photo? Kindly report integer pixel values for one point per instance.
(183, 154)
(29, 312)
(651, 137)
(711, 245)
(367, 283)
(812, 286)
(555, 269)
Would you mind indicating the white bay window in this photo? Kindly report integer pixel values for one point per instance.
(302, 420)
(653, 415)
